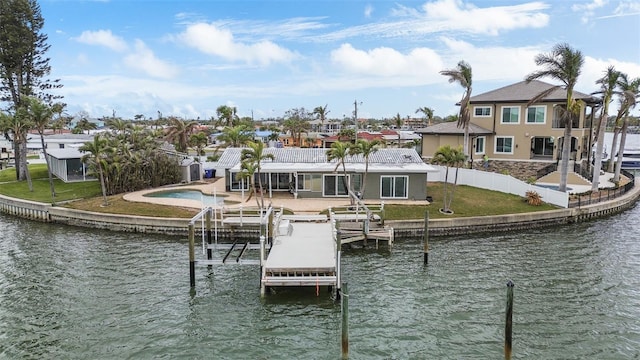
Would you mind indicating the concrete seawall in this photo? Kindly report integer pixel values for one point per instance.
(403, 228)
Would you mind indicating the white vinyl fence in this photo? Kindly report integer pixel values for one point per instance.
(499, 182)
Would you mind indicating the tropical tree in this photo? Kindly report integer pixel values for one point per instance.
(347, 133)
(237, 136)
(227, 115)
(296, 122)
(564, 64)
(366, 149)
(16, 125)
(97, 152)
(199, 141)
(179, 132)
(247, 173)
(397, 121)
(629, 91)
(427, 112)
(40, 116)
(608, 84)
(117, 125)
(449, 157)
(321, 112)
(254, 154)
(84, 124)
(339, 151)
(462, 75)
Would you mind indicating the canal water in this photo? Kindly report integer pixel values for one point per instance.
(75, 293)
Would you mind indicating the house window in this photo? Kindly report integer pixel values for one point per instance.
(334, 185)
(237, 182)
(482, 111)
(61, 146)
(504, 145)
(394, 187)
(479, 145)
(310, 182)
(536, 114)
(510, 115)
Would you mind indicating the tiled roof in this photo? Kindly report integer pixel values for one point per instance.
(523, 92)
(231, 156)
(451, 128)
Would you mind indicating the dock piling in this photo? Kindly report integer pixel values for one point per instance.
(508, 322)
(345, 321)
(425, 237)
(208, 225)
(192, 256)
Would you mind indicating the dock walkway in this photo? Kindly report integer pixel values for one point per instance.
(304, 256)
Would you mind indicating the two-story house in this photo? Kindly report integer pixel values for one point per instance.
(503, 127)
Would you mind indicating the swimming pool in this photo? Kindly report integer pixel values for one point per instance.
(207, 200)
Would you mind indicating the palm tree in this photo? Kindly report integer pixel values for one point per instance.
(397, 121)
(462, 75)
(227, 115)
(118, 125)
(296, 125)
(339, 151)
(321, 113)
(236, 136)
(85, 125)
(608, 84)
(97, 152)
(427, 112)
(448, 156)
(199, 142)
(40, 115)
(563, 64)
(179, 132)
(17, 125)
(366, 149)
(254, 154)
(629, 91)
(247, 172)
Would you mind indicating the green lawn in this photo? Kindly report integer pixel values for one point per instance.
(41, 191)
(467, 201)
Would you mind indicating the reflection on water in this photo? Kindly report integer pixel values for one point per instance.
(69, 292)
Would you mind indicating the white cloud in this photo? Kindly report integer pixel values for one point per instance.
(213, 40)
(102, 38)
(144, 59)
(588, 9)
(626, 8)
(449, 16)
(386, 62)
(368, 10)
(458, 15)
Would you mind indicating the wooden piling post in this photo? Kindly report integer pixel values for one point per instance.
(508, 323)
(345, 321)
(263, 289)
(192, 256)
(338, 256)
(208, 225)
(425, 237)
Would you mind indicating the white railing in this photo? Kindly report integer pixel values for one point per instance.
(499, 182)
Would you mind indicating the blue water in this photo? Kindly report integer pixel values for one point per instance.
(207, 200)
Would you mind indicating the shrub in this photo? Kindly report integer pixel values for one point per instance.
(533, 198)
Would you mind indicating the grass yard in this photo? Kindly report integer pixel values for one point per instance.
(467, 201)
(41, 191)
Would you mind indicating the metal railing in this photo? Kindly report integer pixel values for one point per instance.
(604, 194)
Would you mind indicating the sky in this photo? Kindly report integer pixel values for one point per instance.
(187, 58)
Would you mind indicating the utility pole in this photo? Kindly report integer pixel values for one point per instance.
(355, 116)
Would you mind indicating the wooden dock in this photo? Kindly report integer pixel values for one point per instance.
(303, 256)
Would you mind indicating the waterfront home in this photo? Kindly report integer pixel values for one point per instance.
(503, 127)
(306, 173)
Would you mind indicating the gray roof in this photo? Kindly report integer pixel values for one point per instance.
(66, 153)
(523, 92)
(231, 156)
(451, 128)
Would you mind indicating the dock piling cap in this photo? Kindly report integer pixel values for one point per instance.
(510, 283)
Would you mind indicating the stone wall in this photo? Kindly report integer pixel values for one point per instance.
(522, 170)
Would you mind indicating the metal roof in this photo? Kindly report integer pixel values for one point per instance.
(299, 159)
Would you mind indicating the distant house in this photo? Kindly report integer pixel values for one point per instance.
(66, 165)
(306, 172)
(504, 128)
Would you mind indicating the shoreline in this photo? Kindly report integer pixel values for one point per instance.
(402, 228)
